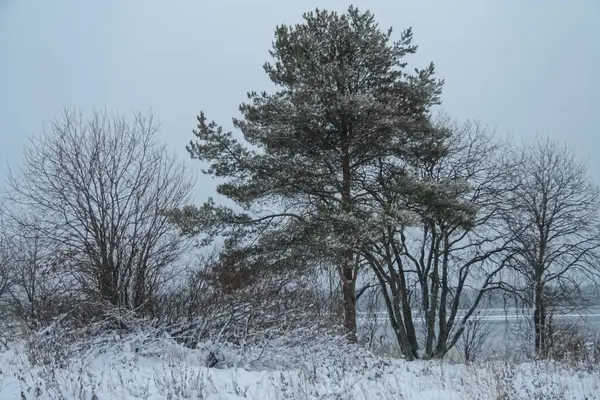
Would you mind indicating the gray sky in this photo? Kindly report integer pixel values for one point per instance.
(525, 67)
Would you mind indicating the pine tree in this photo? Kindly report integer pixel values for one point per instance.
(301, 176)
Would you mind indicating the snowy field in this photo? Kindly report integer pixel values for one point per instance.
(147, 367)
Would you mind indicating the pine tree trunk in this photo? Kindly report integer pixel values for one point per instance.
(348, 272)
(349, 299)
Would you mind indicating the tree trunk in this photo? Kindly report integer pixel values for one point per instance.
(406, 306)
(539, 322)
(434, 297)
(408, 348)
(348, 270)
(441, 347)
(349, 299)
(393, 310)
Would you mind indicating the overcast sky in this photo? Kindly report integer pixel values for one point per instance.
(524, 67)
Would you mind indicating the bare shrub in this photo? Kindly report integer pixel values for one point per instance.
(369, 323)
(228, 300)
(571, 341)
(373, 325)
(39, 289)
(476, 334)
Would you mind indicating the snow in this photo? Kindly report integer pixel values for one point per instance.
(139, 367)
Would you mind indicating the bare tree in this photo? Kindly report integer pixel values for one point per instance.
(458, 241)
(554, 216)
(99, 190)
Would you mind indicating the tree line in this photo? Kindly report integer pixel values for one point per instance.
(345, 175)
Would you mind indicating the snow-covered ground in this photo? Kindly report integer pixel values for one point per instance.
(146, 367)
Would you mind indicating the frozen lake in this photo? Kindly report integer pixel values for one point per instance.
(506, 331)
